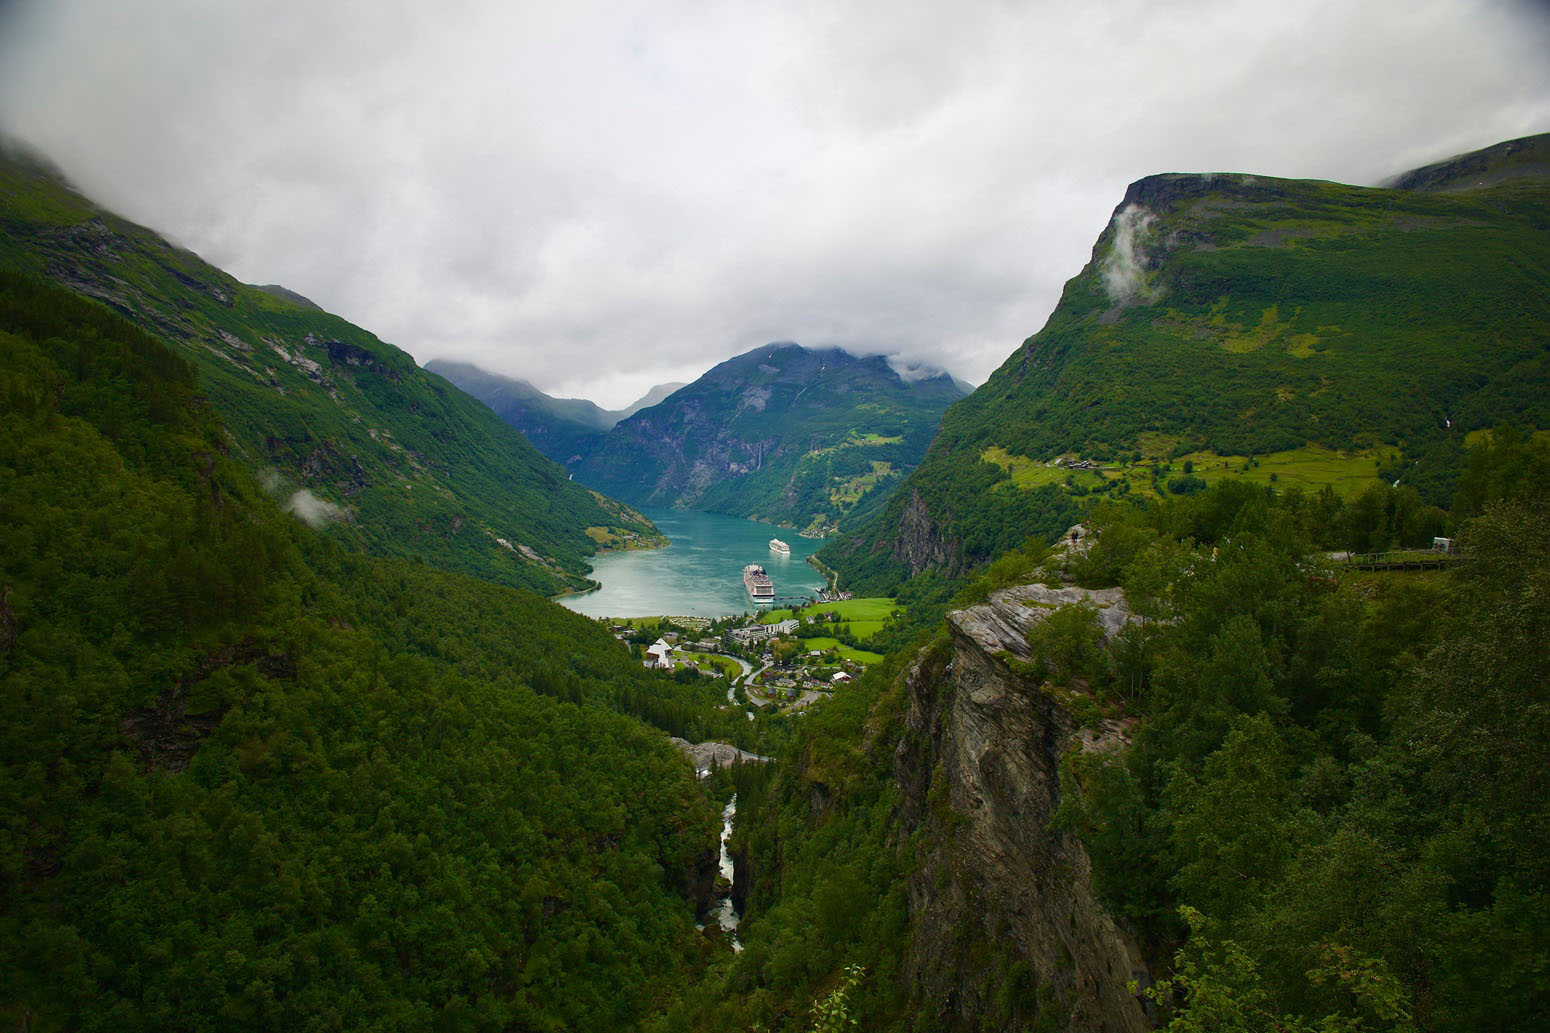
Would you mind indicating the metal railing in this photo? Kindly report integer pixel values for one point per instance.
(1404, 559)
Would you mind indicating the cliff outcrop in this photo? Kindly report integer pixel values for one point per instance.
(922, 543)
(1007, 925)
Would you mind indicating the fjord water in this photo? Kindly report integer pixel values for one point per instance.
(701, 573)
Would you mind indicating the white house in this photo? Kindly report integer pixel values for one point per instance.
(659, 654)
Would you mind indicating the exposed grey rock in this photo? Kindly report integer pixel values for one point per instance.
(922, 543)
(1002, 623)
(997, 886)
(704, 754)
(231, 340)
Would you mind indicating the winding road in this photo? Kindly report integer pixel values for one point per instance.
(746, 680)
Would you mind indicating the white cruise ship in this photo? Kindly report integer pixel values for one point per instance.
(778, 546)
(758, 584)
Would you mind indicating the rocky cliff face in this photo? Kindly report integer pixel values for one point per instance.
(1007, 924)
(922, 544)
(698, 884)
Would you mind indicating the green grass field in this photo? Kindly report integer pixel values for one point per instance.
(728, 667)
(1029, 473)
(849, 491)
(860, 656)
(1310, 468)
(863, 629)
(872, 608)
(1475, 437)
(862, 617)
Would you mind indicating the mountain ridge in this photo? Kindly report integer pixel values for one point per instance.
(564, 429)
(799, 436)
(399, 463)
(1527, 156)
(1228, 317)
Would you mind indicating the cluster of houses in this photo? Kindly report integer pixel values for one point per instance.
(798, 680)
(660, 654)
(794, 678)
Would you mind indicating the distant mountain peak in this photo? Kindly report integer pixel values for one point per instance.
(782, 432)
(910, 371)
(1525, 157)
(564, 429)
(659, 393)
(824, 357)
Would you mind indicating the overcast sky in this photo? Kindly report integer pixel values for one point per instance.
(602, 196)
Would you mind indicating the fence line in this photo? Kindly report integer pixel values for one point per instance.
(1403, 560)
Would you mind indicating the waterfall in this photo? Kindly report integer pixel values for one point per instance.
(726, 917)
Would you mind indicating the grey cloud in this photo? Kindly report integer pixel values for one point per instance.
(657, 188)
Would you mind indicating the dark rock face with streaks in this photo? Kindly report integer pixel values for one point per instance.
(1000, 901)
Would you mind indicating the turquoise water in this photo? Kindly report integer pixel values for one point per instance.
(701, 573)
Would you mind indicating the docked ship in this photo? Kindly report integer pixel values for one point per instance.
(778, 546)
(758, 584)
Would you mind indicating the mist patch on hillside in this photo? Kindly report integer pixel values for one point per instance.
(316, 512)
(1124, 270)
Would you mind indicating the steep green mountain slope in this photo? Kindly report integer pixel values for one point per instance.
(1239, 316)
(564, 429)
(252, 780)
(782, 433)
(348, 428)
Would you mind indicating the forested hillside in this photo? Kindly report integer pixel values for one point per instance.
(252, 780)
(1188, 768)
(1235, 325)
(1305, 798)
(345, 428)
(801, 437)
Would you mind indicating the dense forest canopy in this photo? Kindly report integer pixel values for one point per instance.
(250, 780)
(1334, 807)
